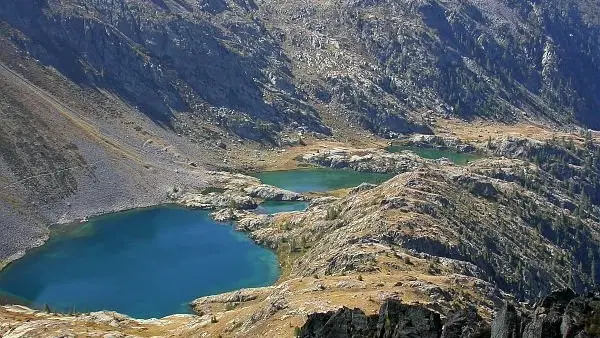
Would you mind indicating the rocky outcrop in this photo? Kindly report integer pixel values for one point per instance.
(270, 193)
(233, 191)
(394, 320)
(562, 314)
(507, 323)
(465, 324)
(477, 186)
(365, 160)
(344, 323)
(219, 201)
(206, 304)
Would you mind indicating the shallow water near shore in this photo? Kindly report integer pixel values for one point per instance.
(144, 263)
(275, 207)
(319, 179)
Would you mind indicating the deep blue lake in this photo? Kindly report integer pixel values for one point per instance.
(144, 263)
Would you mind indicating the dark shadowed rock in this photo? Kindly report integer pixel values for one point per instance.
(344, 323)
(477, 186)
(547, 317)
(581, 318)
(465, 324)
(397, 320)
(560, 314)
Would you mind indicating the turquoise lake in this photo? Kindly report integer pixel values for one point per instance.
(319, 179)
(144, 263)
(274, 207)
(434, 153)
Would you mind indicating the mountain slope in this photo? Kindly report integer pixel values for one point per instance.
(497, 59)
(388, 66)
(68, 152)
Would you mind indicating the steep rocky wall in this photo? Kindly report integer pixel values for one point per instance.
(560, 314)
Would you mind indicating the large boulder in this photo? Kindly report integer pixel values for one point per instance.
(465, 324)
(547, 317)
(397, 320)
(271, 193)
(581, 318)
(343, 323)
(507, 322)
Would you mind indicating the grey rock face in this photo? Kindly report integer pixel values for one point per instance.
(258, 68)
(561, 314)
(395, 320)
(507, 323)
(169, 58)
(465, 324)
(271, 193)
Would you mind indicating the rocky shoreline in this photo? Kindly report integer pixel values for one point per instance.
(231, 192)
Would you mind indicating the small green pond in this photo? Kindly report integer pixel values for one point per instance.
(275, 207)
(434, 153)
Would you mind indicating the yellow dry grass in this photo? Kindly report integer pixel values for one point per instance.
(480, 130)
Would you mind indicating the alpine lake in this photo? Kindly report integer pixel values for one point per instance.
(151, 262)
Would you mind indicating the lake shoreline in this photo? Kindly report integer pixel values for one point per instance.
(68, 233)
(74, 221)
(66, 226)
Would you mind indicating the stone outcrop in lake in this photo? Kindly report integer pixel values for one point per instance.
(436, 141)
(270, 193)
(233, 191)
(365, 160)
